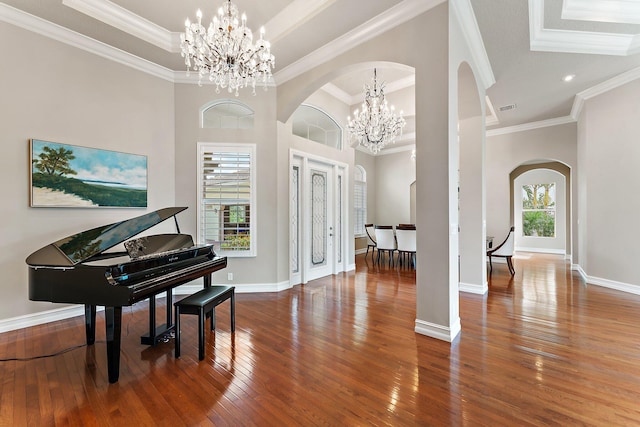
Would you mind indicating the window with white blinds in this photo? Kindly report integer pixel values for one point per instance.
(226, 196)
(359, 200)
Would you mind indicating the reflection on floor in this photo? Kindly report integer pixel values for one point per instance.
(541, 348)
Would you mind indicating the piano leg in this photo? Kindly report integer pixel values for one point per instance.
(169, 307)
(113, 321)
(152, 321)
(90, 323)
(160, 333)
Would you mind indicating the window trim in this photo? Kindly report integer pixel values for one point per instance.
(217, 102)
(362, 182)
(253, 228)
(547, 210)
(340, 137)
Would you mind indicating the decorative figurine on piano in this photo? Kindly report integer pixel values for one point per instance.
(79, 269)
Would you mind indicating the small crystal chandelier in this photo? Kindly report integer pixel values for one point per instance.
(377, 124)
(225, 51)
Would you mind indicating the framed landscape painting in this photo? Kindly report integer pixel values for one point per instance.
(63, 175)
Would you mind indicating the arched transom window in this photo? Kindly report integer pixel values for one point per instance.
(227, 114)
(314, 124)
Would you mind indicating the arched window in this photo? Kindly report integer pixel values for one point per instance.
(360, 200)
(314, 124)
(226, 114)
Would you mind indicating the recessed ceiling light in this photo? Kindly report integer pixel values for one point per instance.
(568, 77)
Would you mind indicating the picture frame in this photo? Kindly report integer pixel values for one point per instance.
(71, 176)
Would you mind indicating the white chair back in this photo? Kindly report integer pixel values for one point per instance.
(406, 240)
(385, 239)
(507, 248)
(370, 232)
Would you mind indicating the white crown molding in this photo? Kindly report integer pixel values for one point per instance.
(127, 21)
(532, 125)
(344, 96)
(569, 41)
(338, 93)
(293, 16)
(392, 17)
(578, 104)
(491, 118)
(64, 35)
(618, 11)
(397, 85)
(191, 77)
(389, 149)
(290, 18)
(463, 12)
(601, 88)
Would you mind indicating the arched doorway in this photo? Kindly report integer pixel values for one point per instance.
(562, 172)
(471, 187)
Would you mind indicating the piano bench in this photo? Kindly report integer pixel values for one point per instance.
(203, 303)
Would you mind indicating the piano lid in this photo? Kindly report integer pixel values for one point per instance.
(80, 247)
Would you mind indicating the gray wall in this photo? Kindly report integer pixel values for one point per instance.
(394, 175)
(262, 269)
(77, 98)
(506, 152)
(609, 156)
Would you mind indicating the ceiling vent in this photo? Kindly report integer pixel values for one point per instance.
(507, 107)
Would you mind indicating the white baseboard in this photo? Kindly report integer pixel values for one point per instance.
(541, 250)
(438, 331)
(606, 283)
(47, 316)
(579, 269)
(473, 288)
(361, 251)
(612, 284)
(27, 320)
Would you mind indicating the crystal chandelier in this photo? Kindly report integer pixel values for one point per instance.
(377, 124)
(225, 51)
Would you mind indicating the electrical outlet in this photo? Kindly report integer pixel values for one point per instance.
(229, 276)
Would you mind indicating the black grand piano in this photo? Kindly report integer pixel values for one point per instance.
(80, 269)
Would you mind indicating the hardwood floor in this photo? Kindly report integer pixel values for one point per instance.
(541, 348)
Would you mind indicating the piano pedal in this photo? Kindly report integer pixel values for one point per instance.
(168, 337)
(162, 335)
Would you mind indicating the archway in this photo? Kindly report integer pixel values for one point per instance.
(337, 94)
(471, 211)
(560, 168)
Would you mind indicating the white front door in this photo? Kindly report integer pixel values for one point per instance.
(319, 220)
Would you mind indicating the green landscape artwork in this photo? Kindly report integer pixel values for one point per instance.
(65, 175)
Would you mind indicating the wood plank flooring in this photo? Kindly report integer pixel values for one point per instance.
(541, 348)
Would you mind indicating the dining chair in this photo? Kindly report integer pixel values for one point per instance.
(385, 241)
(504, 250)
(406, 239)
(371, 242)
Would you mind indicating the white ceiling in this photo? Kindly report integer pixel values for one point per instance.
(531, 44)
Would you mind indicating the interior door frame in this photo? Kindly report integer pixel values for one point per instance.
(339, 179)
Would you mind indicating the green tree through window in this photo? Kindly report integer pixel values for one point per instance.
(539, 210)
